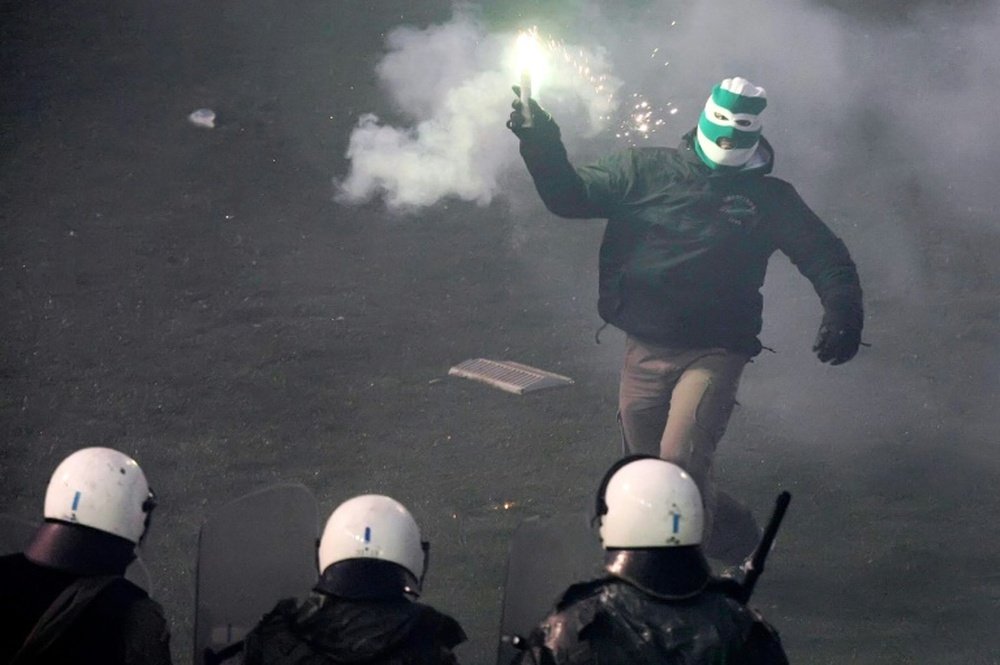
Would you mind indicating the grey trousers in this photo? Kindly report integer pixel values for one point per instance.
(676, 403)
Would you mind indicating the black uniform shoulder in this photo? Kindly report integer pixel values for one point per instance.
(576, 609)
(107, 619)
(721, 592)
(128, 592)
(16, 570)
(145, 629)
(327, 628)
(445, 628)
(15, 564)
(131, 605)
(582, 591)
(761, 641)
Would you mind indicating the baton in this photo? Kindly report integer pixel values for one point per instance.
(753, 567)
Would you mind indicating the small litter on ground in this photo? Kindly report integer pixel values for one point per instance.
(203, 118)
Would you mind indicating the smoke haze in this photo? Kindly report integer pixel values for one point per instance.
(452, 88)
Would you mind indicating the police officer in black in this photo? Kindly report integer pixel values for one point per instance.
(65, 598)
(362, 610)
(657, 602)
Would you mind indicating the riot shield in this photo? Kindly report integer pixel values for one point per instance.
(252, 552)
(546, 556)
(16, 534)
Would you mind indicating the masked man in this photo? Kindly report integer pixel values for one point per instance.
(685, 250)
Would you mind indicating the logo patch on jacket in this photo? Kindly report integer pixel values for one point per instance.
(738, 209)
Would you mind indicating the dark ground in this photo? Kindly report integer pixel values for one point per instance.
(196, 298)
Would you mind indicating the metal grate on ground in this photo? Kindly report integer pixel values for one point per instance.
(508, 375)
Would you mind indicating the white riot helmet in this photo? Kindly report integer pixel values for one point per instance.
(371, 546)
(649, 502)
(102, 489)
(652, 520)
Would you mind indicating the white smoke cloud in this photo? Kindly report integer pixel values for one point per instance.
(452, 83)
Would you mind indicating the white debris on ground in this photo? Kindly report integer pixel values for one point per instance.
(508, 375)
(202, 118)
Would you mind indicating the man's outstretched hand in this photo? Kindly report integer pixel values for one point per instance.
(543, 126)
(837, 341)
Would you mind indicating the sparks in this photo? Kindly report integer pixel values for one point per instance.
(643, 120)
(637, 120)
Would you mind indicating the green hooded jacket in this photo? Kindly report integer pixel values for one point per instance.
(686, 248)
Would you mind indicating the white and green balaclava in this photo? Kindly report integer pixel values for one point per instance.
(732, 112)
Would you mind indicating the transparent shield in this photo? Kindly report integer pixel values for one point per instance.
(546, 556)
(252, 552)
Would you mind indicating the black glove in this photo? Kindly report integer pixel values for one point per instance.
(838, 339)
(543, 126)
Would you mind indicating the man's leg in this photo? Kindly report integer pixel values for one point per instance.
(701, 404)
(647, 382)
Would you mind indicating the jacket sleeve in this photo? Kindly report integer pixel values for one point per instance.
(818, 254)
(588, 192)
